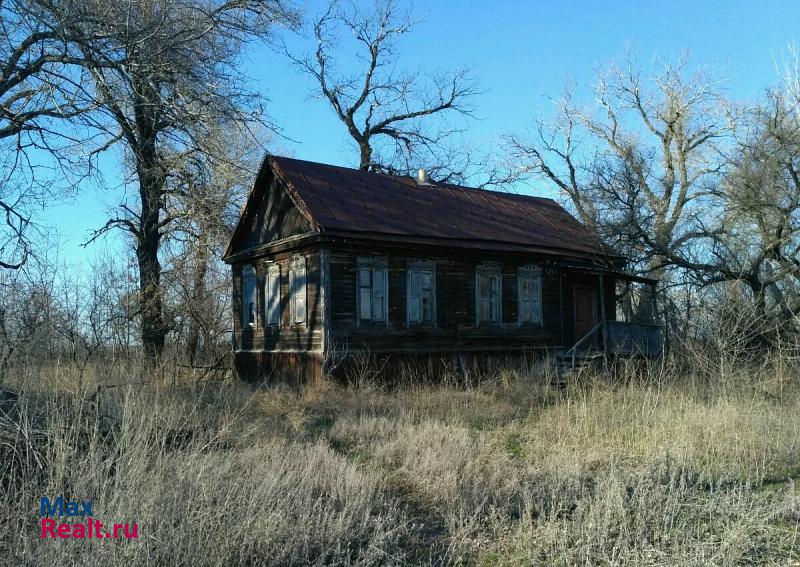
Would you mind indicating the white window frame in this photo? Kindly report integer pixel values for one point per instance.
(529, 309)
(272, 295)
(298, 280)
(372, 266)
(493, 271)
(420, 267)
(249, 297)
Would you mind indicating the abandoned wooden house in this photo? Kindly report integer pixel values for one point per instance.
(330, 263)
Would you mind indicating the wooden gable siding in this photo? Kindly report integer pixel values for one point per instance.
(455, 307)
(288, 337)
(273, 217)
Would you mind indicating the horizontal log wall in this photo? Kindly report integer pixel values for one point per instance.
(288, 337)
(288, 368)
(455, 304)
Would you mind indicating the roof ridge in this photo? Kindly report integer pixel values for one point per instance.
(407, 179)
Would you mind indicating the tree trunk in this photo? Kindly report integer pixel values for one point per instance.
(759, 298)
(150, 296)
(198, 298)
(151, 187)
(366, 156)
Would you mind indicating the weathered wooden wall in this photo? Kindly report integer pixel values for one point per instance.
(284, 367)
(455, 304)
(288, 337)
(274, 217)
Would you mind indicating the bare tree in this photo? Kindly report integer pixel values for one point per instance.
(206, 192)
(28, 308)
(642, 167)
(397, 120)
(162, 70)
(40, 92)
(762, 212)
(679, 179)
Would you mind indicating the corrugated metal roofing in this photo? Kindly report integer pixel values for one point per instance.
(354, 201)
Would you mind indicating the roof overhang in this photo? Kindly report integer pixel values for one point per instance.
(597, 270)
(275, 247)
(352, 237)
(472, 244)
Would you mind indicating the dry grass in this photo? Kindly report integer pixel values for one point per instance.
(654, 469)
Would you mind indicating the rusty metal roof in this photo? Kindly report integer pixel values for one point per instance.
(339, 199)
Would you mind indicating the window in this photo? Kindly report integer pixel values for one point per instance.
(372, 290)
(272, 295)
(421, 293)
(488, 293)
(297, 285)
(249, 296)
(529, 292)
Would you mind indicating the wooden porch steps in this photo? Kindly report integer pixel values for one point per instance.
(584, 360)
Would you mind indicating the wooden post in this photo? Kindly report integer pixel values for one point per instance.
(655, 302)
(325, 305)
(603, 321)
(561, 311)
(661, 331)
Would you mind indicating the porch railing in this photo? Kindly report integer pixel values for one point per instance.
(574, 350)
(620, 337)
(633, 338)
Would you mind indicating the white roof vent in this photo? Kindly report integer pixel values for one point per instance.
(422, 177)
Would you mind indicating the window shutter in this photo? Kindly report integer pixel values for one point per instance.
(536, 298)
(273, 295)
(301, 292)
(530, 294)
(292, 292)
(298, 286)
(426, 296)
(483, 298)
(365, 294)
(379, 295)
(414, 297)
(494, 298)
(249, 304)
(245, 299)
(525, 298)
(372, 290)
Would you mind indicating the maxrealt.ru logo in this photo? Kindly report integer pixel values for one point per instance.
(88, 527)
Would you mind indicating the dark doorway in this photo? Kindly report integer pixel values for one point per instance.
(585, 299)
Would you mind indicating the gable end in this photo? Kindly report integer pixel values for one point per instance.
(270, 215)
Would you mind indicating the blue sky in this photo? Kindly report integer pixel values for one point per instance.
(520, 52)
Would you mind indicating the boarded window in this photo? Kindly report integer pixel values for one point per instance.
(529, 291)
(272, 294)
(421, 293)
(297, 285)
(488, 294)
(249, 297)
(372, 290)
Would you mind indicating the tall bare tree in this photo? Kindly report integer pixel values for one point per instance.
(641, 167)
(162, 70)
(396, 120)
(206, 192)
(762, 205)
(40, 92)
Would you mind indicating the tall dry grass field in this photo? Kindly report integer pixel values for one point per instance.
(657, 467)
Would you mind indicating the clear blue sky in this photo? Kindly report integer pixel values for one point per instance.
(520, 52)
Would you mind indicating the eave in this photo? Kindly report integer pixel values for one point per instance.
(282, 245)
